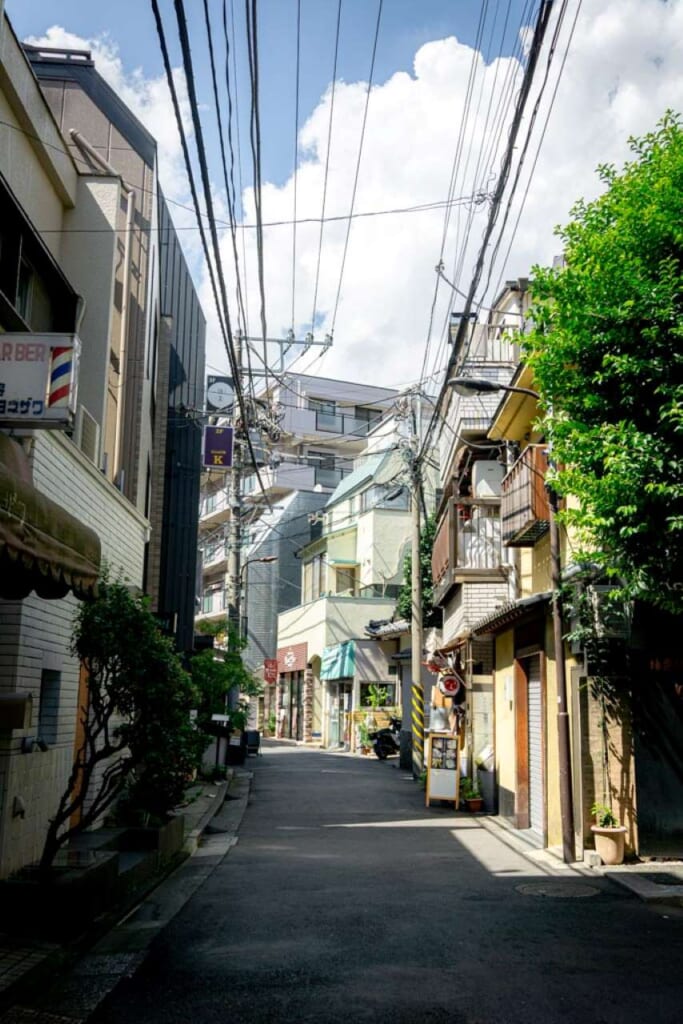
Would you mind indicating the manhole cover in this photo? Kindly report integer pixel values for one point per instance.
(558, 890)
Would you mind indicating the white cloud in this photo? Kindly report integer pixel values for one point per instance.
(148, 98)
(624, 69)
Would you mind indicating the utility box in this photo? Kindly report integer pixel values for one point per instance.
(487, 477)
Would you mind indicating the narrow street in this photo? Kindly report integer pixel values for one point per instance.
(345, 899)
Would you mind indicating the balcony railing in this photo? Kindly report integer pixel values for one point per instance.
(328, 477)
(468, 543)
(213, 504)
(525, 512)
(213, 602)
(343, 423)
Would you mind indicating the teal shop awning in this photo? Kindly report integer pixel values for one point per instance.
(339, 661)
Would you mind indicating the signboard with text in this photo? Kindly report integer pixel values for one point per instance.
(217, 447)
(38, 378)
(292, 658)
(270, 672)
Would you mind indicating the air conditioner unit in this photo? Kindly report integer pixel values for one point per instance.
(87, 434)
(487, 477)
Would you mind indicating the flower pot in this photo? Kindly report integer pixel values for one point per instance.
(474, 803)
(609, 843)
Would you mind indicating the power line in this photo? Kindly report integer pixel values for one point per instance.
(358, 162)
(534, 51)
(327, 166)
(296, 155)
(255, 140)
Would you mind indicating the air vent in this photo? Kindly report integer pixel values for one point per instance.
(87, 435)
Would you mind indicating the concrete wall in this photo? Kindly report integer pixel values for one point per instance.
(89, 255)
(382, 538)
(36, 635)
(470, 603)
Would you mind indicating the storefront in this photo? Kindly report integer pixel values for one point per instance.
(289, 714)
(337, 674)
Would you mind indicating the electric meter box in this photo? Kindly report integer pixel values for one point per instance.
(487, 477)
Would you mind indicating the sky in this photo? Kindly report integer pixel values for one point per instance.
(437, 121)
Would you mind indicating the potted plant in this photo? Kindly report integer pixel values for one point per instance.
(471, 795)
(364, 738)
(608, 834)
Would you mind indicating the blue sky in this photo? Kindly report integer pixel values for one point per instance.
(405, 26)
(618, 66)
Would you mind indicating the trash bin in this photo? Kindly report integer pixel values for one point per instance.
(253, 740)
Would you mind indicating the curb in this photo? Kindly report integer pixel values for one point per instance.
(645, 890)
(115, 947)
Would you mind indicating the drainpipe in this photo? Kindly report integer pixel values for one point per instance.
(94, 158)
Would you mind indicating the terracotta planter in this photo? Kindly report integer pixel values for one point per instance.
(609, 843)
(474, 803)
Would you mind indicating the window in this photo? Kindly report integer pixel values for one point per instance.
(347, 580)
(315, 578)
(379, 691)
(48, 714)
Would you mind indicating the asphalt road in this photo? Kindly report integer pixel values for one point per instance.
(346, 900)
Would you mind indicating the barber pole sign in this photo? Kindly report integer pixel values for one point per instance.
(38, 379)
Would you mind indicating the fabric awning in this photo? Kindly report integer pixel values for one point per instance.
(339, 661)
(42, 546)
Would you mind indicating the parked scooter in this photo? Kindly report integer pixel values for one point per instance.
(387, 741)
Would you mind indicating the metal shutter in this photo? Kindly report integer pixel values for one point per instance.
(535, 745)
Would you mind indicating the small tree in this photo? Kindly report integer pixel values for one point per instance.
(136, 725)
(218, 670)
(606, 357)
(430, 616)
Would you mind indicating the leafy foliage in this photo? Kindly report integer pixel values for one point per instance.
(430, 616)
(604, 817)
(607, 359)
(217, 671)
(137, 731)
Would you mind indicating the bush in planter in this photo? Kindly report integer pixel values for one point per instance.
(136, 725)
(608, 835)
(469, 790)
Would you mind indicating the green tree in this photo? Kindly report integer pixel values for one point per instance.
(136, 726)
(218, 670)
(430, 616)
(606, 355)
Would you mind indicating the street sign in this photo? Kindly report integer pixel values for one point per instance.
(38, 377)
(218, 447)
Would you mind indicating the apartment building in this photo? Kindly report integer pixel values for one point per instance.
(321, 425)
(147, 388)
(473, 573)
(73, 284)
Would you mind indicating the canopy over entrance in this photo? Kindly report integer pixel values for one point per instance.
(42, 546)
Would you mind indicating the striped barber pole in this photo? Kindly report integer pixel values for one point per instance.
(61, 375)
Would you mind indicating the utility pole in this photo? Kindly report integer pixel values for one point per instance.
(235, 525)
(417, 716)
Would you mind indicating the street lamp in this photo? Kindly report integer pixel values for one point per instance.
(477, 385)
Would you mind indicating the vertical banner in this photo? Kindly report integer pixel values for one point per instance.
(218, 446)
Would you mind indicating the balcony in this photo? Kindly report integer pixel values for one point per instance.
(214, 508)
(214, 602)
(214, 556)
(525, 512)
(344, 423)
(316, 425)
(468, 545)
